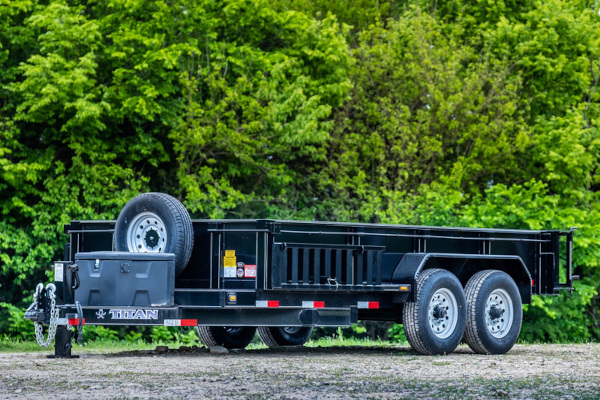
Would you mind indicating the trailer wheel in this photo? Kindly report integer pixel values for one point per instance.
(494, 312)
(228, 337)
(155, 223)
(434, 323)
(275, 337)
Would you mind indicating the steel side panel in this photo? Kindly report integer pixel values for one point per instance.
(253, 240)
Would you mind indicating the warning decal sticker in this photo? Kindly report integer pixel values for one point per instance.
(250, 271)
(229, 264)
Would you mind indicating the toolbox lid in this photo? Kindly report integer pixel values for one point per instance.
(124, 255)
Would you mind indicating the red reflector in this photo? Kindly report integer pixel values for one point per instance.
(373, 304)
(319, 304)
(75, 321)
(532, 282)
(273, 303)
(189, 322)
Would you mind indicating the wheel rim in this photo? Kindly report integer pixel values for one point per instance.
(292, 330)
(234, 330)
(499, 313)
(443, 313)
(147, 234)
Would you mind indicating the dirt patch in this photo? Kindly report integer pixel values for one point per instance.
(527, 372)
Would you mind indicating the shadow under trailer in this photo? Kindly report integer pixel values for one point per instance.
(155, 266)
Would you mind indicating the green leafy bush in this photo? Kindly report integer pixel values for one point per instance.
(14, 324)
(396, 334)
(91, 333)
(161, 334)
(134, 336)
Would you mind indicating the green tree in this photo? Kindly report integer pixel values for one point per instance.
(102, 100)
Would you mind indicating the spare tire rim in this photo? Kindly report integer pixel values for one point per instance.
(499, 313)
(147, 234)
(443, 313)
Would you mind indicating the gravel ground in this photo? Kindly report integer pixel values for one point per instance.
(527, 372)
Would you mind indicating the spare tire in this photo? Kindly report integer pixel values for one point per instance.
(155, 223)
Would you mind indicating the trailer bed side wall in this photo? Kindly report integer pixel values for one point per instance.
(292, 255)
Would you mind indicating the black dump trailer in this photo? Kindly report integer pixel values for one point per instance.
(232, 278)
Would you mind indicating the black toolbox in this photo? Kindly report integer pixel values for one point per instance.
(125, 279)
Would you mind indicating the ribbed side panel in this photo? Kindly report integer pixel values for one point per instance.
(340, 265)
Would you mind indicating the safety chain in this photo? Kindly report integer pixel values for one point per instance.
(54, 313)
(332, 282)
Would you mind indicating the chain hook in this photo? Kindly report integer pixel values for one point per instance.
(38, 290)
(54, 313)
(332, 281)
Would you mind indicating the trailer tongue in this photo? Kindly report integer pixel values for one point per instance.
(230, 277)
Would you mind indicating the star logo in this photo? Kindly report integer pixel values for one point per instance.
(100, 314)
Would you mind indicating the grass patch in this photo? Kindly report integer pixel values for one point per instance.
(111, 345)
(337, 341)
(17, 346)
(99, 345)
(257, 345)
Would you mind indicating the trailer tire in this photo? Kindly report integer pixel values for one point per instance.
(275, 337)
(494, 312)
(169, 230)
(434, 323)
(228, 337)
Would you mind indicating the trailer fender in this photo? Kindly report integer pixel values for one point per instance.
(463, 266)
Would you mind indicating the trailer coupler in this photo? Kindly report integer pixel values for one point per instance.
(43, 311)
